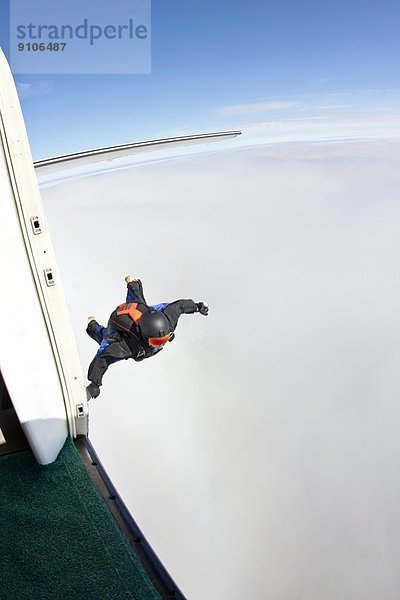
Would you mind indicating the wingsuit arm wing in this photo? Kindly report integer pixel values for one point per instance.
(174, 310)
(111, 354)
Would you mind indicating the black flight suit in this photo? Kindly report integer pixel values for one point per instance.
(121, 339)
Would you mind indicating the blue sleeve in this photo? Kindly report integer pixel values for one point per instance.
(161, 306)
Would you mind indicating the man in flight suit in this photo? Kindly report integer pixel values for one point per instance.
(135, 330)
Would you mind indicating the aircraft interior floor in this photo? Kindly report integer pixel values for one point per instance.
(12, 438)
(58, 538)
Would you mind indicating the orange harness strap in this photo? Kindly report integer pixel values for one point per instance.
(130, 309)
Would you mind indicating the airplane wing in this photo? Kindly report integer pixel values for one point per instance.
(68, 161)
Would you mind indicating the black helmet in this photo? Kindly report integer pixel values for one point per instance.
(154, 324)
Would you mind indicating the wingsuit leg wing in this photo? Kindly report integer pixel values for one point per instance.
(135, 292)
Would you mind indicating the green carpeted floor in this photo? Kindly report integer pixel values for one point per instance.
(57, 537)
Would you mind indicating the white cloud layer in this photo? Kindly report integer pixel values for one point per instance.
(37, 88)
(256, 107)
(260, 451)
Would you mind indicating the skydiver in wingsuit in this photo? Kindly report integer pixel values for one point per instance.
(135, 330)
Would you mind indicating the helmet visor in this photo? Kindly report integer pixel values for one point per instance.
(158, 342)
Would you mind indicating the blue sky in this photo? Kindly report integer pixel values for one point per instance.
(222, 65)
